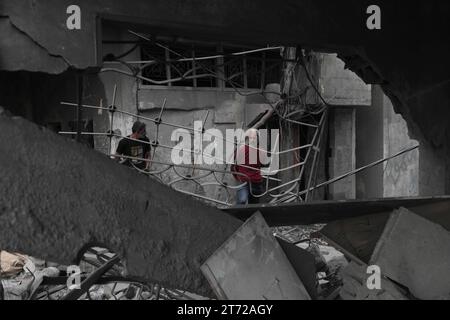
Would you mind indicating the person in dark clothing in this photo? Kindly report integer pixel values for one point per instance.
(133, 147)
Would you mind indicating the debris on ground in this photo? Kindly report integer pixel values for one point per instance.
(355, 286)
(410, 258)
(27, 278)
(412, 254)
(299, 234)
(328, 260)
(11, 264)
(22, 275)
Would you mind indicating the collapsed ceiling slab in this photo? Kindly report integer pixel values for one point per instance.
(20, 52)
(58, 195)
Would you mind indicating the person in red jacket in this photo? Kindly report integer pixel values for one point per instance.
(248, 166)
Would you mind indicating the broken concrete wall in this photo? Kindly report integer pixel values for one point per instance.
(424, 169)
(58, 195)
(432, 170)
(420, 172)
(381, 133)
(400, 174)
(340, 86)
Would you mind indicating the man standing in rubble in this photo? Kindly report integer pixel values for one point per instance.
(136, 146)
(248, 169)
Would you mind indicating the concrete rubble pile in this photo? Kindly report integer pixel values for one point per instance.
(411, 259)
(24, 277)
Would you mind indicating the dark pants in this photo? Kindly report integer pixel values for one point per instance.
(244, 195)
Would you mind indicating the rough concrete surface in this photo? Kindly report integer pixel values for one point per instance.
(20, 52)
(415, 252)
(57, 195)
(251, 265)
(355, 278)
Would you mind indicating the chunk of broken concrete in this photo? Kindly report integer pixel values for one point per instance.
(354, 278)
(252, 265)
(327, 257)
(415, 252)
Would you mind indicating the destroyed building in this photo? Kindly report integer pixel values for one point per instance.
(363, 145)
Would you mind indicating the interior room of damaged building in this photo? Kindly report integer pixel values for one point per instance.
(355, 210)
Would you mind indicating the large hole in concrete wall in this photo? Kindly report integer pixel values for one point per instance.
(363, 127)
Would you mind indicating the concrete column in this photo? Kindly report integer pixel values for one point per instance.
(343, 158)
(369, 146)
